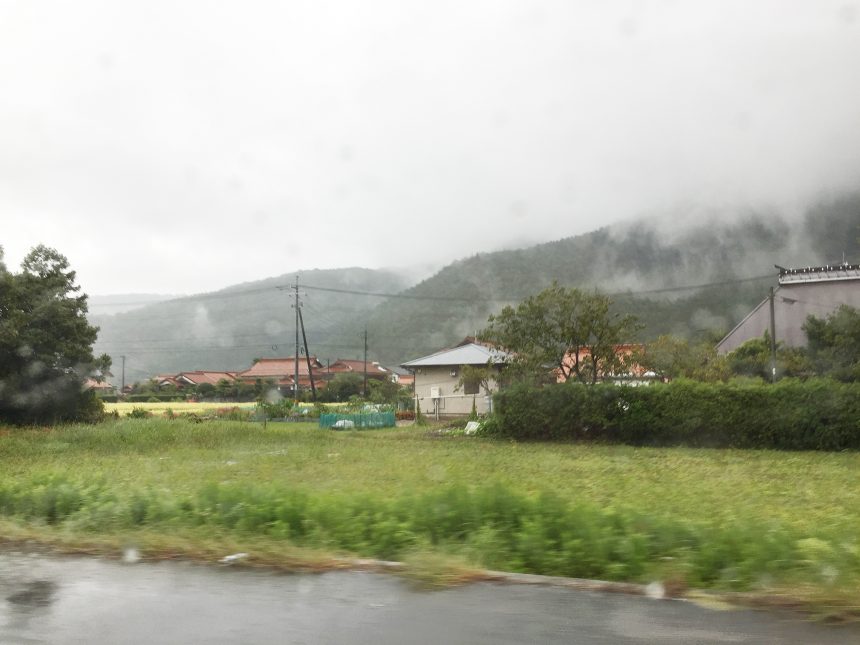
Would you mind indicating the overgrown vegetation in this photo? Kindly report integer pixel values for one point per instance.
(713, 519)
(818, 414)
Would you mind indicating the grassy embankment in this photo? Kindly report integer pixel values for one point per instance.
(762, 521)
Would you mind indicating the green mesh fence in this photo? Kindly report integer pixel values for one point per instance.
(358, 420)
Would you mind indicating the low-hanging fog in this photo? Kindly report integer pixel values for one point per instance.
(181, 147)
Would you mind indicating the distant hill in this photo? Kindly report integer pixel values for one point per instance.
(646, 263)
(226, 329)
(120, 303)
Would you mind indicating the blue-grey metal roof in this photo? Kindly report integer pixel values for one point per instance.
(471, 354)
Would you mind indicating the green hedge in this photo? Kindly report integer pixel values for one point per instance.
(145, 398)
(816, 414)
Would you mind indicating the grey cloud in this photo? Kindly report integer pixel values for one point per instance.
(169, 147)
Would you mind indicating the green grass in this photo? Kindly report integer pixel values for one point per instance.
(720, 519)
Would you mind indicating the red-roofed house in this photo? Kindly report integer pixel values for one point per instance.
(406, 380)
(374, 369)
(282, 372)
(99, 387)
(198, 377)
(163, 380)
(625, 351)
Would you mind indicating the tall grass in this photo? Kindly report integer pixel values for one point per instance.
(494, 525)
(724, 519)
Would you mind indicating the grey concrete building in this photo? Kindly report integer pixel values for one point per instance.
(813, 291)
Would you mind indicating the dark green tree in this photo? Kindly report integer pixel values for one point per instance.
(46, 344)
(382, 390)
(670, 357)
(149, 386)
(233, 390)
(834, 343)
(342, 387)
(205, 390)
(753, 358)
(569, 330)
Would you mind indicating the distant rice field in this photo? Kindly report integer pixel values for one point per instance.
(192, 407)
(178, 407)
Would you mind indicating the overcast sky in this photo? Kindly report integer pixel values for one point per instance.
(178, 147)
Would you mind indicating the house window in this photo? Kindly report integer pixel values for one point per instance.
(472, 386)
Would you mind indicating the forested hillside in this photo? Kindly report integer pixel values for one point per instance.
(227, 329)
(648, 264)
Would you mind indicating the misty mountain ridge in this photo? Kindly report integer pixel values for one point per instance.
(118, 303)
(646, 263)
(226, 329)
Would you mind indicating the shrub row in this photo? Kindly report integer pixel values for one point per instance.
(493, 525)
(817, 414)
(154, 398)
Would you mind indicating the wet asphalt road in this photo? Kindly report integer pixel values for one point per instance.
(88, 600)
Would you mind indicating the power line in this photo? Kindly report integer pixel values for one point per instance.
(408, 296)
(377, 294)
(319, 311)
(225, 348)
(325, 312)
(721, 283)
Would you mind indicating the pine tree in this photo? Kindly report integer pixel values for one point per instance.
(46, 344)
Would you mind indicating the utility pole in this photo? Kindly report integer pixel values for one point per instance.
(296, 362)
(365, 362)
(308, 356)
(122, 389)
(772, 339)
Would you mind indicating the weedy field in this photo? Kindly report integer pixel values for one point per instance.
(759, 521)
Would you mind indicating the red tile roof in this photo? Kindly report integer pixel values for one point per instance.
(92, 384)
(349, 365)
(198, 377)
(279, 368)
(622, 350)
